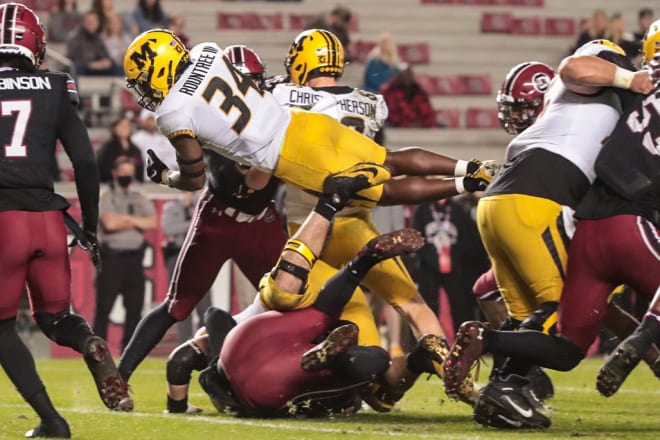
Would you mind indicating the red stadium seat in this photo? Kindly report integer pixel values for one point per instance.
(447, 85)
(298, 22)
(250, 20)
(440, 2)
(476, 84)
(529, 3)
(415, 53)
(481, 118)
(560, 26)
(127, 101)
(496, 22)
(360, 49)
(526, 26)
(448, 118)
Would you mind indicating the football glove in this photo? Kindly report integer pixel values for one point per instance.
(155, 167)
(653, 67)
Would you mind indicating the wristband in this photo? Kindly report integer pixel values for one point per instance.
(460, 188)
(623, 78)
(461, 168)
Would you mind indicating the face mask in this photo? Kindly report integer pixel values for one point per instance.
(124, 181)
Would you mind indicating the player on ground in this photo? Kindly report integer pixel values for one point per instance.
(37, 111)
(315, 88)
(270, 364)
(201, 100)
(227, 225)
(589, 85)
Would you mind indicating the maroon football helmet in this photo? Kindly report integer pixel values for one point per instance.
(520, 99)
(21, 33)
(247, 62)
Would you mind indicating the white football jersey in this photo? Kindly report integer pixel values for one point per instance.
(225, 111)
(561, 126)
(365, 112)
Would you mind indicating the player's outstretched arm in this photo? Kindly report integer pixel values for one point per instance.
(191, 175)
(587, 74)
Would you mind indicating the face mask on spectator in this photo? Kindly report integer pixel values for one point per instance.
(124, 181)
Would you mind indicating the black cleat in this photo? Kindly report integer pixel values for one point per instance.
(540, 383)
(216, 385)
(58, 428)
(510, 403)
(617, 367)
(322, 355)
(112, 389)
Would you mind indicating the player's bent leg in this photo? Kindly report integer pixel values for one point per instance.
(324, 354)
(183, 360)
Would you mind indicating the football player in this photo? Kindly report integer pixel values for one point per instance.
(543, 173)
(38, 110)
(315, 88)
(224, 215)
(271, 365)
(201, 100)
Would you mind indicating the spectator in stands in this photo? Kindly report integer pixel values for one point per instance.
(409, 104)
(616, 32)
(63, 18)
(106, 9)
(116, 38)
(595, 28)
(335, 21)
(177, 24)
(644, 20)
(381, 64)
(119, 144)
(148, 136)
(87, 50)
(148, 14)
(125, 213)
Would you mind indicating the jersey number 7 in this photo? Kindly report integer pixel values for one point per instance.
(23, 110)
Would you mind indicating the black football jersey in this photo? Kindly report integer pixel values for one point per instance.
(225, 179)
(628, 166)
(37, 109)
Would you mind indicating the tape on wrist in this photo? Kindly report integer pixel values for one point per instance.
(301, 248)
(623, 78)
(461, 167)
(460, 188)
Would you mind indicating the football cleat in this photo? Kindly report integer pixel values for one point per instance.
(467, 350)
(337, 342)
(215, 384)
(510, 403)
(57, 428)
(540, 383)
(617, 367)
(383, 396)
(393, 244)
(342, 186)
(112, 389)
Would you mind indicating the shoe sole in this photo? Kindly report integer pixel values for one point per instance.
(495, 419)
(457, 366)
(340, 339)
(395, 243)
(616, 369)
(112, 389)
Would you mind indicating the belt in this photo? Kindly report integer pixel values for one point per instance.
(239, 216)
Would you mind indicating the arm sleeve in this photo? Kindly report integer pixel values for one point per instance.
(72, 133)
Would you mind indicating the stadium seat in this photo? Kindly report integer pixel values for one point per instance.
(415, 53)
(526, 26)
(496, 22)
(560, 26)
(360, 49)
(448, 118)
(127, 101)
(298, 22)
(481, 118)
(476, 84)
(250, 20)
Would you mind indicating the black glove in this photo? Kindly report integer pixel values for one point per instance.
(88, 242)
(473, 165)
(243, 191)
(155, 167)
(272, 81)
(472, 182)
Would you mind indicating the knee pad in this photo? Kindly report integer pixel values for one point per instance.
(182, 361)
(510, 324)
(571, 354)
(65, 328)
(543, 319)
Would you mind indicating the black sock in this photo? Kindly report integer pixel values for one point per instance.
(148, 334)
(337, 291)
(177, 406)
(647, 333)
(362, 363)
(361, 265)
(218, 323)
(42, 405)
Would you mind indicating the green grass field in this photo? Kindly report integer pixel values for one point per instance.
(425, 411)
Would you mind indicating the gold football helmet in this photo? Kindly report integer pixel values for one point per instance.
(651, 42)
(152, 64)
(314, 52)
